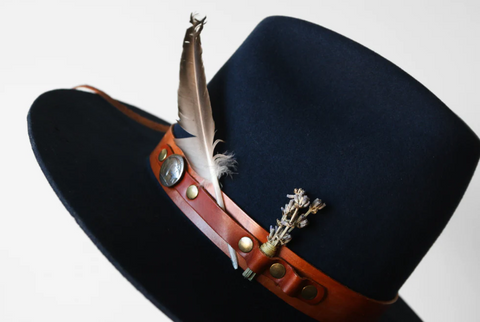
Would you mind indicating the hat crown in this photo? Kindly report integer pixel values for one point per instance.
(302, 106)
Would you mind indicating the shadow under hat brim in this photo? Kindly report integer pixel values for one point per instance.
(96, 160)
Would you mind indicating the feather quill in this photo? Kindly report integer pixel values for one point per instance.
(195, 117)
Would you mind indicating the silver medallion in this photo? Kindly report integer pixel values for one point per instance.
(172, 170)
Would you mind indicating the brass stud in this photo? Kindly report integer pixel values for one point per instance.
(245, 244)
(309, 292)
(163, 155)
(277, 270)
(192, 192)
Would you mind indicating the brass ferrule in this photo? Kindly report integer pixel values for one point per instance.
(268, 249)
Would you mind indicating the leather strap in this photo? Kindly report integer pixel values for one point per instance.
(333, 302)
(125, 110)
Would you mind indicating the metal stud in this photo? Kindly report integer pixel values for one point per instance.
(192, 192)
(172, 170)
(163, 155)
(309, 292)
(245, 244)
(277, 270)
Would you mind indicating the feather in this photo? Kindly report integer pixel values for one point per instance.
(195, 117)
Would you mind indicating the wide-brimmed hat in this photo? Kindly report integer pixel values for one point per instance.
(299, 106)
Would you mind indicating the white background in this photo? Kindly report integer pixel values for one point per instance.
(51, 271)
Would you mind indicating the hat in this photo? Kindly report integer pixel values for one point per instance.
(300, 107)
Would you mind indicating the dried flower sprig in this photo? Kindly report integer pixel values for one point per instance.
(293, 216)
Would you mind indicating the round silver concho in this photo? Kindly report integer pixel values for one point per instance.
(172, 170)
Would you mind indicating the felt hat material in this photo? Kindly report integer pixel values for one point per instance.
(300, 106)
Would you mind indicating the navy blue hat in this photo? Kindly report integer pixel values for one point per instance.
(300, 106)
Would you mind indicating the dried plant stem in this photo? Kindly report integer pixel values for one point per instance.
(291, 217)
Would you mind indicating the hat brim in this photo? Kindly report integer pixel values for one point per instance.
(96, 160)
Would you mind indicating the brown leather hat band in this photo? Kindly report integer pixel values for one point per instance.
(333, 301)
(299, 284)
